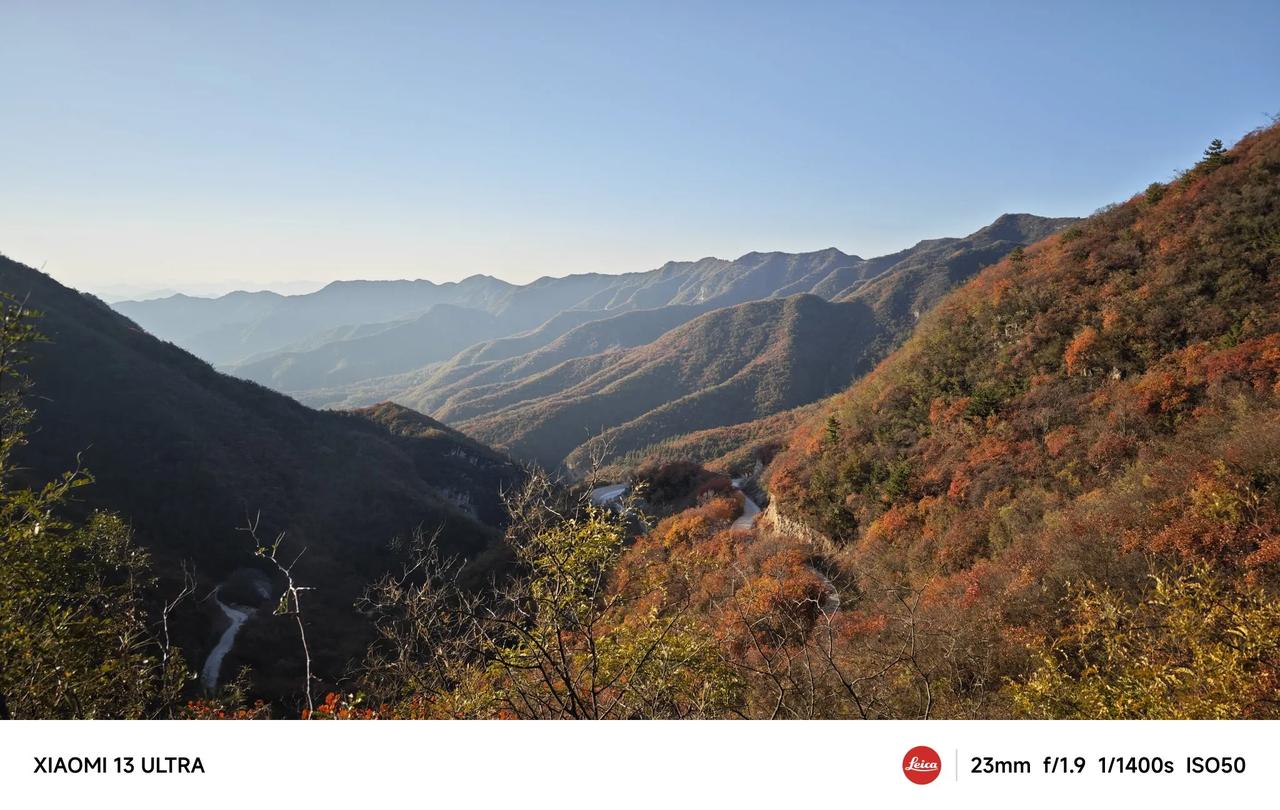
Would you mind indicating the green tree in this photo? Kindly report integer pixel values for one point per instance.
(561, 639)
(74, 638)
(1215, 154)
(833, 430)
(1189, 648)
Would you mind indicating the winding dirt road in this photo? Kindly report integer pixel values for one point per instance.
(213, 664)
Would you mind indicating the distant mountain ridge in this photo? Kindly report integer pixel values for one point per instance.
(536, 368)
(242, 326)
(292, 324)
(562, 404)
(355, 371)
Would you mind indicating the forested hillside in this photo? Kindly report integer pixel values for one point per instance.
(1094, 410)
(903, 286)
(1059, 498)
(730, 365)
(737, 449)
(452, 388)
(186, 455)
(564, 404)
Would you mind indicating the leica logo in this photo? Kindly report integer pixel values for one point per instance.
(922, 765)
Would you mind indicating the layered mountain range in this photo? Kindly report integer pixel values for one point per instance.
(436, 385)
(564, 370)
(982, 424)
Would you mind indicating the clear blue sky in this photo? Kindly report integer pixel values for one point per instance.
(172, 144)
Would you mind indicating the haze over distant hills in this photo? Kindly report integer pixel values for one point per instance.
(1098, 407)
(540, 368)
(434, 377)
(115, 293)
(679, 362)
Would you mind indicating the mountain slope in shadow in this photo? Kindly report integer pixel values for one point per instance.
(186, 454)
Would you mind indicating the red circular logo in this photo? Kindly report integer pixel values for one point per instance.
(922, 765)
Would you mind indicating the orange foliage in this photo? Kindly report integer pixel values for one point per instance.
(215, 710)
(1080, 353)
(1161, 440)
(341, 707)
(1058, 440)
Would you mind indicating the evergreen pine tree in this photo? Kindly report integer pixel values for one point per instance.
(1215, 154)
(833, 429)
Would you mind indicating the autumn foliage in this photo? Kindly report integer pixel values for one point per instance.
(1100, 407)
(1061, 498)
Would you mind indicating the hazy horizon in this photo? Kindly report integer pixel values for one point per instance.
(114, 292)
(215, 287)
(257, 146)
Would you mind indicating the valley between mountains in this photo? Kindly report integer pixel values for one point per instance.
(1029, 472)
(557, 371)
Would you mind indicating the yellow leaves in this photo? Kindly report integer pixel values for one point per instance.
(1191, 647)
(683, 530)
(1218, 500)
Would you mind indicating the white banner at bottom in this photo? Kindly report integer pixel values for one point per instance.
(640, 764)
